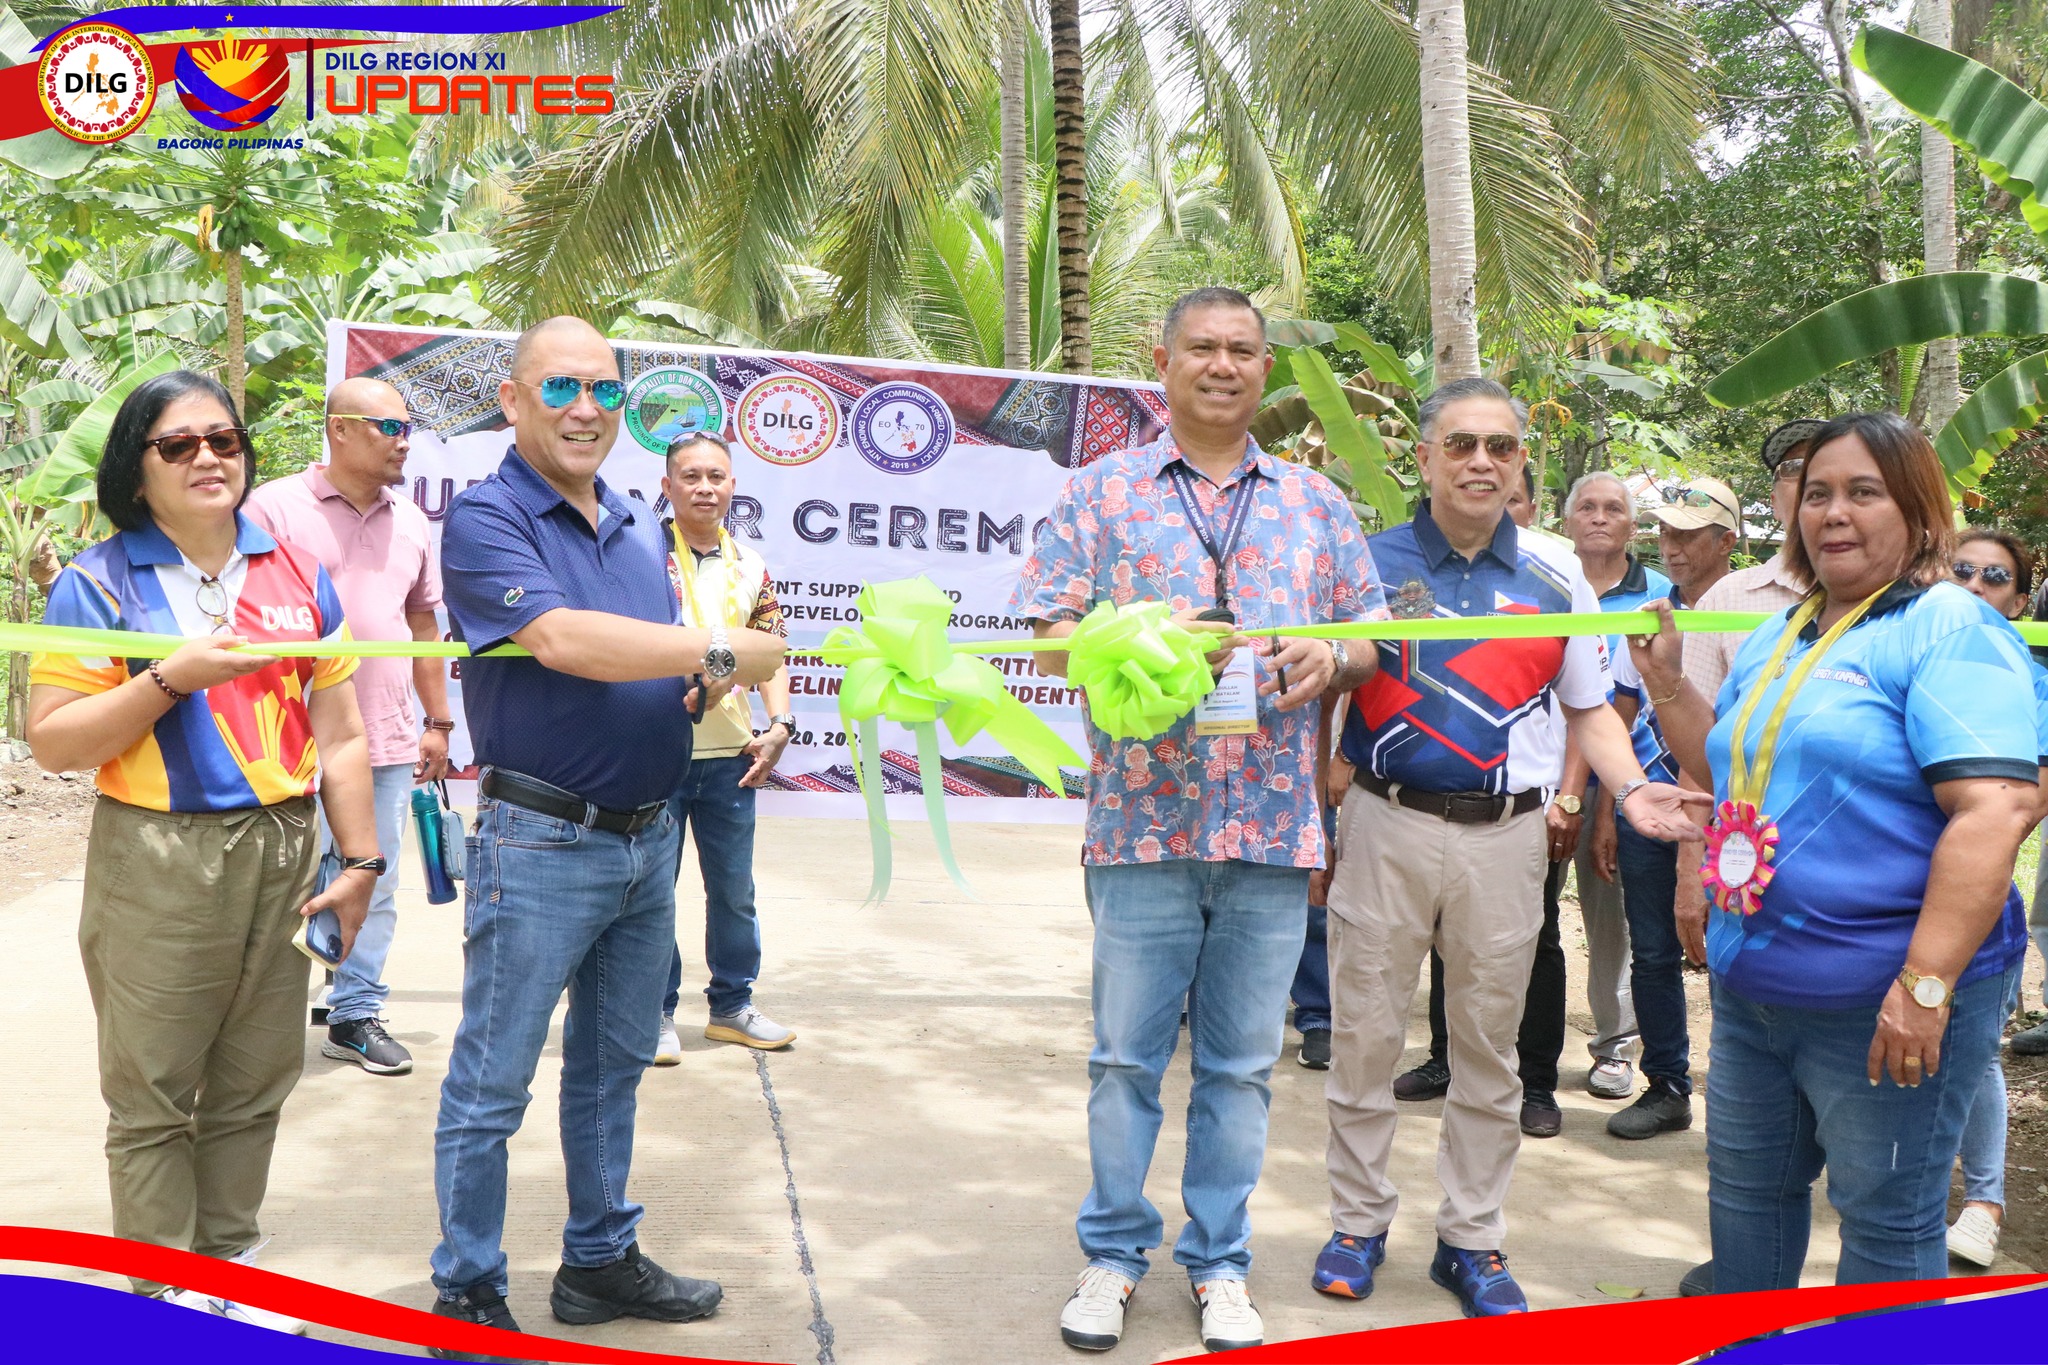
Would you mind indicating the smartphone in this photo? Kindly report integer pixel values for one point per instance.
(319, 938)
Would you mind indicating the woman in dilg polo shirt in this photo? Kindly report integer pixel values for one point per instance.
(1873, 754)
(1996, 566)
(204, 840)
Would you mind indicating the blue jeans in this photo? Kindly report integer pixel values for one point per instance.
(1984, 1135)
(359, 988)
(1788, 1096)
(1649, 891)
(549, 906)
(1311, 989)
(1223, 938)
(712, 799)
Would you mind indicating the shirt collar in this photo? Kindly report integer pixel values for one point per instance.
(1635, 579)
(1166, 452)
(147, 544)
(1775, 565)
(670, 534)
(1435, 548)
(1901, 592)
(540, 497)
(323, 487)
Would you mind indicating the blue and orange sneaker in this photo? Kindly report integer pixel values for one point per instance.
(1344, 1267)
(1480, 1279)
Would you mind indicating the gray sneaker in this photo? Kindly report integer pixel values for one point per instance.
(2031, 1042)
(1612, 1079)
(749, 1028)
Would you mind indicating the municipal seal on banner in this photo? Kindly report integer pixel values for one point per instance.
(787, 419)
(901, 428)
(96, 83)
(671, 402)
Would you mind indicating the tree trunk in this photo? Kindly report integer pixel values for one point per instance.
(1834, 17)
(1016, 231)
(1939, 392)
(1447, 189)
(236, 343)
(1070, 168)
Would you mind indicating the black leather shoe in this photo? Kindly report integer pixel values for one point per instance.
(1541, 1118)
(630, 1287)
(1698, 1281)
(1659, 1109)
(1315, 1049)
(483, 1306)
(1430, 1081)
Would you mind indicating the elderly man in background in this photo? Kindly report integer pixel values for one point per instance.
(378, 549)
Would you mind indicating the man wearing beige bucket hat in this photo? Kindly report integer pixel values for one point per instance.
(1698, 527)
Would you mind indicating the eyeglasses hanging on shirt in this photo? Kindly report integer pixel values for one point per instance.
(213, 602)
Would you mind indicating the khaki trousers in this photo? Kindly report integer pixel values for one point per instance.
(1407, 881)
(201, 998)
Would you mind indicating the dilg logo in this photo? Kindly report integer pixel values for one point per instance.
(232, 85)
(287, 618)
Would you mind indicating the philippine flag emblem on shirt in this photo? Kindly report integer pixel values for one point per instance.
(1511, 605)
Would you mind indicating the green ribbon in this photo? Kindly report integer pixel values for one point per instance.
(1142, 670)
(901, 667)
(133, 644)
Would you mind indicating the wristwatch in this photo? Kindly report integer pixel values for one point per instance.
(787, 722)
(376, 867)
(1928, 992)
(446, 727)
(720, 662)
(1627, 790)
(1569, 804)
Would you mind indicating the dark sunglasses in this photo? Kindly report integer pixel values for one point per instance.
(394, 427)
(1995, 575)
(560, 390)
(1499, 444)
(182, 447)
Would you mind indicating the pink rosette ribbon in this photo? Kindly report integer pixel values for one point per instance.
(1740, 840)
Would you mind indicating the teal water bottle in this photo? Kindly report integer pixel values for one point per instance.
(432, 831)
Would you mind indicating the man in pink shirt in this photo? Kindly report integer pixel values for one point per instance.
(378, 550)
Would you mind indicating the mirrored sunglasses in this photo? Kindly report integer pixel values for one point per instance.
(1996, 575)
(1678, 495)
(560, 390)
(182, 447)
(394, 427)
(1499, 444)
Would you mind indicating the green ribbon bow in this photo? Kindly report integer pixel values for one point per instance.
(1141, 669)
(901, 667)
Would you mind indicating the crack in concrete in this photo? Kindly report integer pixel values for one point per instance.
(821, 1328)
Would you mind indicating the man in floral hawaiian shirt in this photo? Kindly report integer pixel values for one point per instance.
(1199, 845)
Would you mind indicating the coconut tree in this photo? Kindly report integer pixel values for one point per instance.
(2005, 131)
(1447, 186)
(1938, 392)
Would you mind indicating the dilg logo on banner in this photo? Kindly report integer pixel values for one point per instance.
(669, 403)
(787, 419)
(232, 85)
(901, 428)
(96, 83)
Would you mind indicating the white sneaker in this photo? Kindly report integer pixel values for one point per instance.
(669, 1050)
(186, 1298)
(1612, 1078)
(1229, 1321)
(257, 1317)
(749, 1028)
(1973, 1237)
(1093, 1319)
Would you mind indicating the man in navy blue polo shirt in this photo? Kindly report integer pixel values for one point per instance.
(1442, 841)
(571, 880)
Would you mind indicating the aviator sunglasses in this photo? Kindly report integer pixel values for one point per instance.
(1996, 575)
(393, 427)
(1678, 495)
(182, 447)
(560, 390)
(1499, 444)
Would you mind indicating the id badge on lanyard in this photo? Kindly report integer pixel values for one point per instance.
(1233, 707)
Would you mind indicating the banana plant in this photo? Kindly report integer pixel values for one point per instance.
(2006, 131)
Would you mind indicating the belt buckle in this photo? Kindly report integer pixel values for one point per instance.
(1471, 808)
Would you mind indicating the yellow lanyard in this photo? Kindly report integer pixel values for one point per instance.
(1747, 782)
(686, 566)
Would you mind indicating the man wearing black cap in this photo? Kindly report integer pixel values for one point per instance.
(1768, 587)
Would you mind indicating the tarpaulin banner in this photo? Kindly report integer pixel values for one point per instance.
(847, 471)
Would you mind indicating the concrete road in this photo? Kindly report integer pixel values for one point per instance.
(897, 1187)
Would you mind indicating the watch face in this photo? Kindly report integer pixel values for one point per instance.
(721, 662)
(1930, 991)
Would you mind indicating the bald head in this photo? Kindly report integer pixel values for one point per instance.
(366, 396)
(541, 346)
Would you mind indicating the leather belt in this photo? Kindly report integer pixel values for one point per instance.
(1460, 808)
(546, 799)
